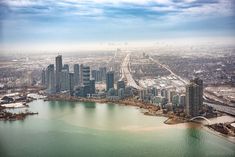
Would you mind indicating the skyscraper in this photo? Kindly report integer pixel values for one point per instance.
(92, 86)
(93, 74)
(76, 74)
(43, 77)
(66, 67)
(199, 82)
(109, 80)
(103, 73)
(192, 99)
(50, 79)
(81, 74)
(58, 61)
(71, 83)
(64, 79)
(86, 75)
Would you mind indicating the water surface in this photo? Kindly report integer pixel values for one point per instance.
(100, 130)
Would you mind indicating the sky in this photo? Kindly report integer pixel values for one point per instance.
(53, 24)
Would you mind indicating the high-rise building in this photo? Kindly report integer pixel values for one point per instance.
(199, 82)
(121, 93)
(93, 74)
(66, 67)
(109, 80)
(81, 74)
(43, 77)
(50, 78)
(86, 75)
(76, 74)
(96, 74)
(71, 82)
(103, 72)
(192, 99)
(64, 78)
(120, 84)
(92, 86)
(58, 61)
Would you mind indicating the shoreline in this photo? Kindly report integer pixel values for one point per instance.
(151, 110)
(219, 134)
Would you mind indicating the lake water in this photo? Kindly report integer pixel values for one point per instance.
(104, 130)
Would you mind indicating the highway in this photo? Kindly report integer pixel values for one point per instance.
(168, 69)
(221, 108)
(126, 74)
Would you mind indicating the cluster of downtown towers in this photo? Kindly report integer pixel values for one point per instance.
(79, 83)
(59, 79)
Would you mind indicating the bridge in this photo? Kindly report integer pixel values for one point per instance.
(201, 117)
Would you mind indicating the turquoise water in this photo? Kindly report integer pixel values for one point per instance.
(100, 130)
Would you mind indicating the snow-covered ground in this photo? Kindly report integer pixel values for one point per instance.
(16, 105)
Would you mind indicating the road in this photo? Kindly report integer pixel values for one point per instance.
(126, 74)
(168, 69)
(221, 108)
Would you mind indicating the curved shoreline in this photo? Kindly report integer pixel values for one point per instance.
(151, 110)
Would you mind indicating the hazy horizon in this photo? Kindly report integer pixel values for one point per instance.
(71, 25)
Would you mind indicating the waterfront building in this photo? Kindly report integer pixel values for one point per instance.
(58, 61)
(50, 78)
(81, 74)
(79, 91)
(99, 95)
(128, 91)
(92, 86)
(76, 74)
(43, 81)
(109, 80)
(85, 75)
(64, 80)
(199, 82)
(111, 92)
(103, 71)
(82, 91)
(120, 84)
(66, 67)
(71, 83)
(96, 74)
(192, 99)
(93, 74)
(121, 93)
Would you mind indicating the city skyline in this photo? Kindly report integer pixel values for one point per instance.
(71, 25)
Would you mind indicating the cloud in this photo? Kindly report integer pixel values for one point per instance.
(74, 20)
(120, 8)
